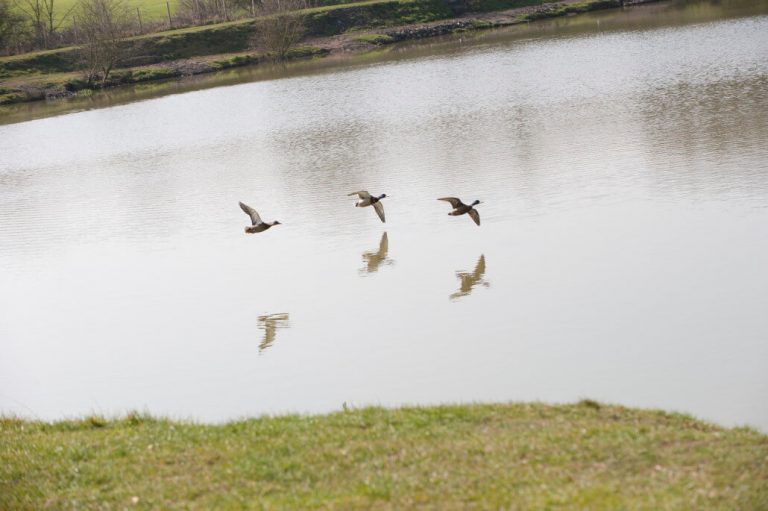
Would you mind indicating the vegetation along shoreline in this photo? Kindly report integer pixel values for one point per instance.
(484, 456)
(333, 29)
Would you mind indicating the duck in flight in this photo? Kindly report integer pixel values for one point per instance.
(257, 225)
(366, 199)
(459, 208)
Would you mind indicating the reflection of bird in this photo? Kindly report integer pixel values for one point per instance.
(375, 259)
(257, 225)
(470, 280)
(459, 208)
(366, 199)
(270, 323)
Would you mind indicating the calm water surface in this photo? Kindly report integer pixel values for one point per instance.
(623, 167)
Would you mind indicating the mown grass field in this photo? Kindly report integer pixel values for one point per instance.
(515, 456)
(151, 10)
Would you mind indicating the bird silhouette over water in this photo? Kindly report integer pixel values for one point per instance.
(459, 208)
(373, 260)
(470, 280)
(366, 199)
(270, 323)
(257, 225)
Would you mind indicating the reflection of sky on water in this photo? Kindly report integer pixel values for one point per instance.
(623, 215)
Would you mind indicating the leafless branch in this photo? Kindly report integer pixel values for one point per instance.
(281, 24)
(102, 24)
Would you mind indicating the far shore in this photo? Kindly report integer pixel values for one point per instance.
(25, 78)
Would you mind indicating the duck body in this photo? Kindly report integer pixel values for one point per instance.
(459, 208)
(253, 229)
(257, 224)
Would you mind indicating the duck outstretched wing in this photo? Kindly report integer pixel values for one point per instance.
(455, 202)
(362, 194)
(475, 215)
(255, 218)
(379, 210)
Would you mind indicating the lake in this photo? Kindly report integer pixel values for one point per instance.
(621, 159)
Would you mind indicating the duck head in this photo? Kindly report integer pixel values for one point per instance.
(475, 203)
(276, 222)
(383, 196)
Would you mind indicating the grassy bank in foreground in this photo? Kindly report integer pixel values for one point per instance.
(516, 456)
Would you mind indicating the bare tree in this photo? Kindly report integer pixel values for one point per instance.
(280, 25)
(13, 31)
(44, 20)
(201, 11)
(36, 15)
(52, 23)
(101, 25)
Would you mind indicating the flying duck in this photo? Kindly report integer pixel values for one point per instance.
(257, 225)
(366, 199)
(459, 208)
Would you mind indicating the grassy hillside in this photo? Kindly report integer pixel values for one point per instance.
(203, 49)
(236, 35)
(151, 10)
(517, 456)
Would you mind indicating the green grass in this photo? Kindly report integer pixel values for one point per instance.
(235, 36)
(196, 40)
(151, 10)
(29, 86)
(156, 10)
(517, 456)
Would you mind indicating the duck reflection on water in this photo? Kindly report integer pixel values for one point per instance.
(270, 323)
(470, 280)
(373, 260)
